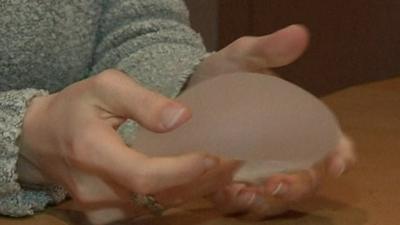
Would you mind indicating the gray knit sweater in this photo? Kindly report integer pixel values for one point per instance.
(47, 45)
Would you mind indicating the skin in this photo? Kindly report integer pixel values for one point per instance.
(69, 137)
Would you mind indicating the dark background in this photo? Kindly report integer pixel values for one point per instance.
(352, 42)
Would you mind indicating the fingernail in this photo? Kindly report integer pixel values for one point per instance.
(210, 163)
(281, 189)
(338, 167)
(247, 198)
(170, 116)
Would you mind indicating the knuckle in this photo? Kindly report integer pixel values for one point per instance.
(106, 77)
(111, 73)
(242, 42)
(102, 78)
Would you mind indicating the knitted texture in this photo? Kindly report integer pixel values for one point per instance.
(51, 44)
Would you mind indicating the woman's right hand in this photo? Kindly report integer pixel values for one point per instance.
(71, 138)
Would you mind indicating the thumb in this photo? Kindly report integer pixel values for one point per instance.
(123, 97)
(274, 50)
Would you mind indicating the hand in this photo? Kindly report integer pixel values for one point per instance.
(260, 54)
(70, 137)
(255, 54)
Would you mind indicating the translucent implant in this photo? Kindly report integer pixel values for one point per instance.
(270, 124)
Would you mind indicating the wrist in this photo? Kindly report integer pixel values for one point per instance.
(33, 118)
(28, 141)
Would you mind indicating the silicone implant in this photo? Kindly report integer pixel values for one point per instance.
(268, 123)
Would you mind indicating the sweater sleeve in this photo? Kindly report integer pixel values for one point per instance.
(152, 42)
(14, 200)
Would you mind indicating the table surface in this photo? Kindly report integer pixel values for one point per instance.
(368, 195)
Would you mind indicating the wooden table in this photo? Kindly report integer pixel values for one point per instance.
(368, 195)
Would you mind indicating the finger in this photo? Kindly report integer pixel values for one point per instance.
(205, 185)
(292, 187)
(94, 194)
(115, 214)
(274, 50)
(121, 213)
(267, 207)
(108, 215)
(342, 158)
(252, 201)
(233, 199)
(120, 95)
(98, 194)
(111, 157)
(91, 192)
